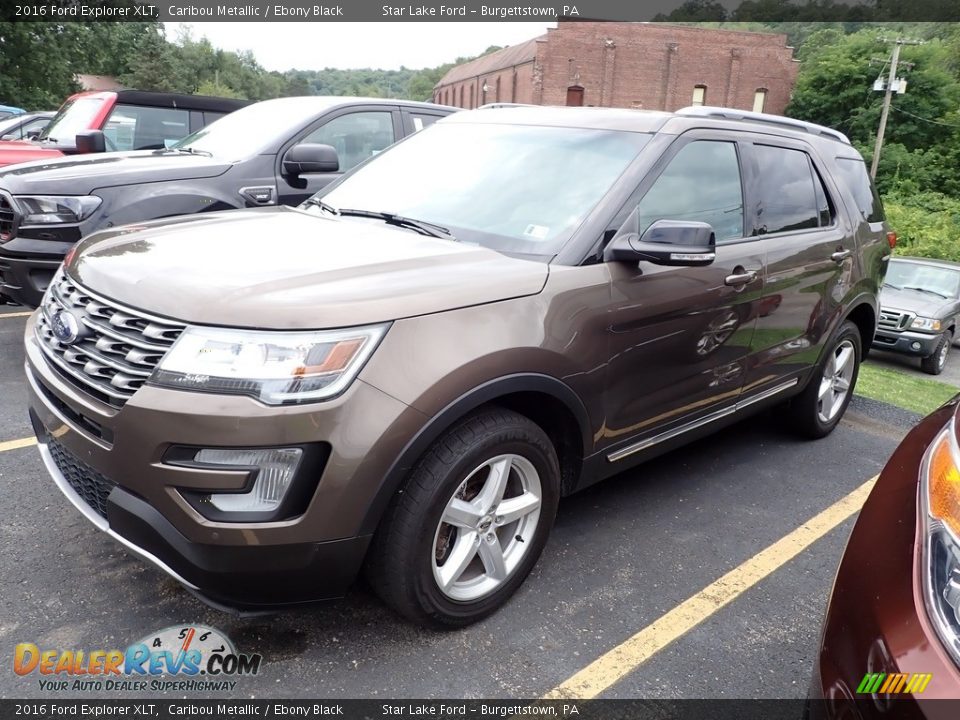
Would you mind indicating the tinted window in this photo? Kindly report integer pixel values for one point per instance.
(787, 197)
(130, 127)
(853, 172)
(702, 183)
(356, 136)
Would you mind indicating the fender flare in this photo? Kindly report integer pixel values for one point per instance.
(463, 405)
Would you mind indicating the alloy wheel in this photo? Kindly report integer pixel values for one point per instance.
(836, 381)
(486, 528)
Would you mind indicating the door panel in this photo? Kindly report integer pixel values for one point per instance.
(680, 338)
(809, 270)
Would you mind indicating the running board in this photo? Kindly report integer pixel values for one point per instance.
(699, 422)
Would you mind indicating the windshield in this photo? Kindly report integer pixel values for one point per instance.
(74, 116)
(512, 188)
(243, 132)
(9, 122)
(916, 276)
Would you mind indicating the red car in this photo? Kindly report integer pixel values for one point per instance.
(122, 120)
(891, 638)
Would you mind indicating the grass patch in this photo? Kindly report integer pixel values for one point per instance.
(906, 391)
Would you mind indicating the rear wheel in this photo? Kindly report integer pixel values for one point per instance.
(935, 364)
(818, 409)
(470, 523)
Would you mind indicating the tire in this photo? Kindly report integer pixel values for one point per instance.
(935, 364)
(408, 561)
(816, 411)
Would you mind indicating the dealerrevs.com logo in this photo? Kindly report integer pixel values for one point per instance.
(177, 658)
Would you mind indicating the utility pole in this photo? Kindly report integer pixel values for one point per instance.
(893, 83)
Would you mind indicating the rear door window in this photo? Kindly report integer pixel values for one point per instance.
(792, 196)
(131, 127)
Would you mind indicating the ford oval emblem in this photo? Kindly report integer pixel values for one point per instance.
(65, 326)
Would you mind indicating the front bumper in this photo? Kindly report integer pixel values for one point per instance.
(27, 266)
(876, 620)
(246, 566)
(902, 342)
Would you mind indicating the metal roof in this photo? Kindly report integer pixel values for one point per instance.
(508, 57)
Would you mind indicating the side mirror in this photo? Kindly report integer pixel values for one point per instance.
(309, 158)
(91, 141)
(10, 136)
(680, 243)
(33, 134)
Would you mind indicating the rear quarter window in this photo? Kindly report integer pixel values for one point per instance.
(853, 175)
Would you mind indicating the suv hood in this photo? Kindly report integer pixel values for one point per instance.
(83, 174)
(284, 268)
(921, 303)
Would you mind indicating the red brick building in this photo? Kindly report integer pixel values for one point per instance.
(635, 65)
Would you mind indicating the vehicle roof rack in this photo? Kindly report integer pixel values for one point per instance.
(734, 114)
(494, 105)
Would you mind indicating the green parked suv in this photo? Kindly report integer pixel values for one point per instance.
(408, 376)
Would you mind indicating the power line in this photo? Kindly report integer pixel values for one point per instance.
(926, 120)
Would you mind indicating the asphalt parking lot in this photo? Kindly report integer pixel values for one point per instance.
(623, 554)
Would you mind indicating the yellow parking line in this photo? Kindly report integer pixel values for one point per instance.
(630, 654)
(17, 444)
(16, 314)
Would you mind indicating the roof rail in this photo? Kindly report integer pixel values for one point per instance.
(494, 105)
(734, 114)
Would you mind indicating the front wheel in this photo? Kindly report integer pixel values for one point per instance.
(470, 523)
(817, 410)
(935, 364)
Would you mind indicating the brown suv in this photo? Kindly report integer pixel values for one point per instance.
(500, 310)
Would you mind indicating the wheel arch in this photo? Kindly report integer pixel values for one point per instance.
(545, 400)
(864, 315)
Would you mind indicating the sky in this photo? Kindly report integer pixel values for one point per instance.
(387, 45)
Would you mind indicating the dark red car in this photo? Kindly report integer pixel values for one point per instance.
(891, 638)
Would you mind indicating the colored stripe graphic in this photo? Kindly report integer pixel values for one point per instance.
(894, 683)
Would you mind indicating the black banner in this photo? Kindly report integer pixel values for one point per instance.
(480, 709)
(479, 10)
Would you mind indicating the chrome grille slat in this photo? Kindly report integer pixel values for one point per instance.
(894, 319)
(118, 349)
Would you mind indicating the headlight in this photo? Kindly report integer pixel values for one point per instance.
(924, 323)
(56, 209)
(277, 368)
(940, 495)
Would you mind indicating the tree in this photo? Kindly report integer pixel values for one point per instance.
(35, 67)
(154, 66)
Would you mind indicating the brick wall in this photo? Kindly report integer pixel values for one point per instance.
(652, 66)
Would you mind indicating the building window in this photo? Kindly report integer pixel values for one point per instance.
(699, 94)
(759, 99)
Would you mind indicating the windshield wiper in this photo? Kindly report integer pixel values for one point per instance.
(926, 290)
(890, 284)
(421, 226)
(322, 205)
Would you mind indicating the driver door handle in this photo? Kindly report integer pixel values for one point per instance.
(741, 278)
(840, 255)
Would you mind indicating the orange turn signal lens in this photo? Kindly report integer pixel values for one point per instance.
(943, 483)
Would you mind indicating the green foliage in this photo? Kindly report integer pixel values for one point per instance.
(209, 87)
(927, 224)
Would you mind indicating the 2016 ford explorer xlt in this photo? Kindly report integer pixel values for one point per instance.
(410, 373)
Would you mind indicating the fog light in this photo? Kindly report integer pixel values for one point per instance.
(914, 345)
(275, 469)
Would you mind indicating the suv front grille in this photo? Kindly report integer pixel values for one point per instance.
(87, 482)
(895, 319)
(117, 348)
(8, 218)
